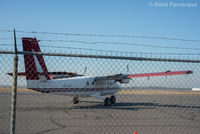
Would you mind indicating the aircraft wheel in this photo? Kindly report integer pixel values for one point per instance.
(113, 99)
(107, 101)
(75, 100)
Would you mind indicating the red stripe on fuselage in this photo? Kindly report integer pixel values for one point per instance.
(53, 90)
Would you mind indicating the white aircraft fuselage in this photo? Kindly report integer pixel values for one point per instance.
(81, 86)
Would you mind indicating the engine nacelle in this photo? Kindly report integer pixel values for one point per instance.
(125, 81)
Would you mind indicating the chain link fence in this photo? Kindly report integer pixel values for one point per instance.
(163, 104)
(146, 105)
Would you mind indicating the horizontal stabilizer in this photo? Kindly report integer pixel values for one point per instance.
(51, 74)
(19, 74)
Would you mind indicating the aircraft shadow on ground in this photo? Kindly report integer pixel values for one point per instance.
(99, 105)
(131, 106)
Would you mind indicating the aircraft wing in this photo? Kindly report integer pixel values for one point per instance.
(119, 77)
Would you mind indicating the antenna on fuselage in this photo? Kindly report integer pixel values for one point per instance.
(127, 67)
(85, 70)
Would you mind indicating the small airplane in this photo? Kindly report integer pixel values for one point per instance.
(69, 83)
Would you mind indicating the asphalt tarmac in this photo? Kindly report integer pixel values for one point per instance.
(145, 113)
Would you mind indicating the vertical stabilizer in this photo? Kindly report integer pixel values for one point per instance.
(35, 66)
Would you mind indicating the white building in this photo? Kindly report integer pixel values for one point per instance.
(195, 89)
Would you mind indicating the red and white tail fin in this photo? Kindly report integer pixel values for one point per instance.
(35, 66)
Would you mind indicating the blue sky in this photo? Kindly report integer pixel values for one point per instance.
(122, 17)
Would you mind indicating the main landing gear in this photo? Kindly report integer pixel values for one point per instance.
(75, 100)
(109, 101)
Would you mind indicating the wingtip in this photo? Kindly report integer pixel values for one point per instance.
(189, 72)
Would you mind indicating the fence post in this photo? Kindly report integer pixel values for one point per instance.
(14, 89)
